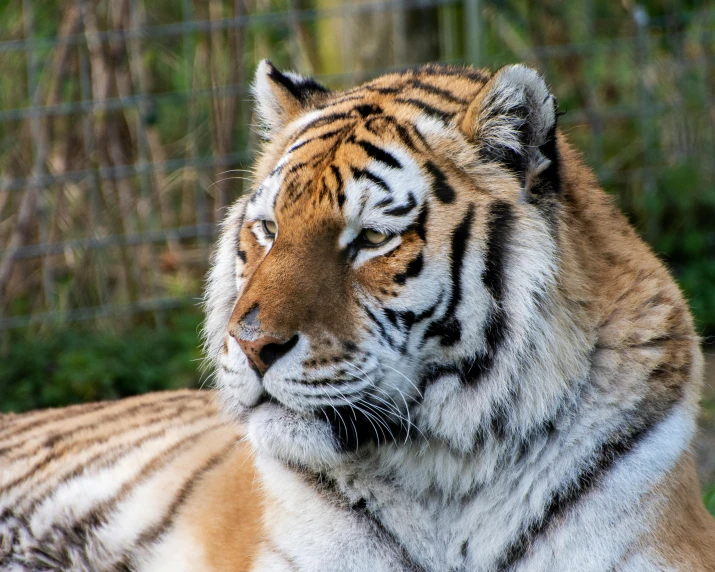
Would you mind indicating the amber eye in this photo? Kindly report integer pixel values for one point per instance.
(374, 237)
(270, 228)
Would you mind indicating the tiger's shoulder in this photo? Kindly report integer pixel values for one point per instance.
(158, 481)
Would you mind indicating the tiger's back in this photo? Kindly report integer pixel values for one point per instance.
(158, 481)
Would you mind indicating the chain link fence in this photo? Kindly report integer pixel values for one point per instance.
(125, 126)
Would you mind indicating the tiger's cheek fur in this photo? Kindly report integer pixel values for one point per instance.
(385, 276)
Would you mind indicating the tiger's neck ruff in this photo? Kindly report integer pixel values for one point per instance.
(449, 349)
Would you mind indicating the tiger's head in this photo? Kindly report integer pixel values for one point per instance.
(387, 278)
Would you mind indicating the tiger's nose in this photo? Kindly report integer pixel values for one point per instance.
(265, 351)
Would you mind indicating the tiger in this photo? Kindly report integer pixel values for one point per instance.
(437, 346)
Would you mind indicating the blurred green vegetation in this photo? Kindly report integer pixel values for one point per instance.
(80, 363)
(709, 499)
(678, 221)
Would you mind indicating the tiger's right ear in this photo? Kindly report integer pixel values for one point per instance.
(282, 96)
(512, 122)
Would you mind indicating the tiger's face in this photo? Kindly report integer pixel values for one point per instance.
(368, 264)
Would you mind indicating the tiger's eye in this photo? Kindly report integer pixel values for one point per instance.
(374, 237)
(270, 228)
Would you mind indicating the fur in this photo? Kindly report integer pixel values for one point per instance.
(500, 376)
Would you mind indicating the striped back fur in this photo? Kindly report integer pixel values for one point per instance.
(137, 484)
(444, 345)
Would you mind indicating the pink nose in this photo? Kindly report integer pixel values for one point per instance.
(265, 351)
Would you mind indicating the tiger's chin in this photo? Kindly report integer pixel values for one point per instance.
(291, 437)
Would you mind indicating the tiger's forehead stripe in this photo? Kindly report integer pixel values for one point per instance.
(366, 119)
(412, 90)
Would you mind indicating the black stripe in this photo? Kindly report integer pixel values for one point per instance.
(154, 533)
(407, 563)
(382, 90)
(379, 154)
(500, 224)
(114, 415)
(405, 137)
(352, 94)
(110, 455)
(303, 89)
(391, 315)
(58, 452)
(338, 177)
(330, 490)
(444, 191)
(381, 327)
(604, 459)
(401, 130)
(276, 170)
(433, 89)
(441, 114)
(365, 174)
(322, 120)
(322, 137)
(462, 72)
(368, 109)
(292, 191)
(338, 102)
(420, 225)
(433, 372)
(495, 332)
(295, 167)
(413, 269)
(402, 210)
(15, 426)
(448, 328)
(83, 528)
(421, 137)
(409, 318)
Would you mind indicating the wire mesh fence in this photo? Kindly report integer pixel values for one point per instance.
(125, 126)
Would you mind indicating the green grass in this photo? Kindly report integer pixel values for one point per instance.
(76, 365)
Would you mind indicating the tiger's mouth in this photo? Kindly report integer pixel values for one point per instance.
(352, 424)
(370, 405)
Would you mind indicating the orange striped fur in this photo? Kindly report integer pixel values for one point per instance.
(438, 346)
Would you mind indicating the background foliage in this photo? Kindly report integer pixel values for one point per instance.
(120, 148)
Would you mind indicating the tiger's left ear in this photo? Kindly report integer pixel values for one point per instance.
(512, 121)
(282, 96)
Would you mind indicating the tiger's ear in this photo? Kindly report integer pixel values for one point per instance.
(282, 96)
(512, 121)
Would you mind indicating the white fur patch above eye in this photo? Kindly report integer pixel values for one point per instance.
(263, 239)
(366, 254)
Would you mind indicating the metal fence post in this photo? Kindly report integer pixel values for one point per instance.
(473, 32)
(645, 108)
(39, 144)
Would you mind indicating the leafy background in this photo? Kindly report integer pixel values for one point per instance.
(109, 198)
